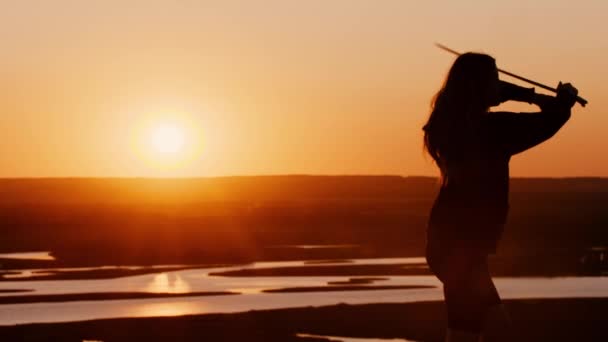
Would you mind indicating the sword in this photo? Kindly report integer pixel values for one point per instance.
(579, 99)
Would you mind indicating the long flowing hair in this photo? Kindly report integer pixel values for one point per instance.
(457, 109)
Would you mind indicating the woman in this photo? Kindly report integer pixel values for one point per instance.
(472, 147)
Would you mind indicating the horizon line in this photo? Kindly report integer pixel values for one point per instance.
(268, 176)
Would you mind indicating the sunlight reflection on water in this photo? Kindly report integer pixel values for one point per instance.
(247, 290)
(28, 256)
(251, 297)
(168, 283)
(166, 309)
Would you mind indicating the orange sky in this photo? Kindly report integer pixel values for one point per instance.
(277, 87)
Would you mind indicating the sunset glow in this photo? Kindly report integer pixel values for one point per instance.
(167, 139)
(314, 87)
(263, 170)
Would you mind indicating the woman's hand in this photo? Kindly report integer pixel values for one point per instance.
(565, 98)
(566, 94)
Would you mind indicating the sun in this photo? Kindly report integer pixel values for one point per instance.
(166, 142)
(167, 139)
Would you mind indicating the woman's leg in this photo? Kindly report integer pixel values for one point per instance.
(436, 254)
(452, 335)
(497, 322)
(498, 325)
(464, 313)
(455, 269)
(469, 293)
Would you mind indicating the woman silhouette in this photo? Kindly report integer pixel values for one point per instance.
(472, 148)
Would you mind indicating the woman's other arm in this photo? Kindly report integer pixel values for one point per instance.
(518, 132)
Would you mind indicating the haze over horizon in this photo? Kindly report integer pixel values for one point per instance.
(203, 89)
(270, 175)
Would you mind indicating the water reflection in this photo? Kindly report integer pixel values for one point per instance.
(25, 274)
(168, 283)
(248, 290)
(166, 309)
(28, 256)
(20, 274)
(251, 297)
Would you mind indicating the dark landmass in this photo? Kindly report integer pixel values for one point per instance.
(108, 273)
(74, 297)
(334, 270)
(347, 288)
(14, 291)
(93, 222)
(501, 266)
(364, 280)
(335, 261)
(533, 319)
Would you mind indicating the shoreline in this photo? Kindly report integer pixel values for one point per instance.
(96, 296)
(499, 265)
(566, 319)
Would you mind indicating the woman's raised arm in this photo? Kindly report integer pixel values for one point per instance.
(517, 132)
